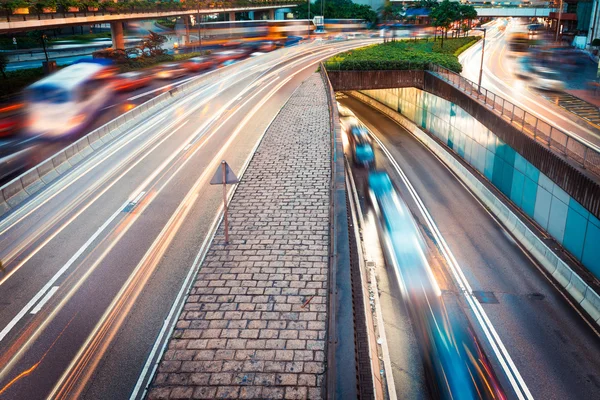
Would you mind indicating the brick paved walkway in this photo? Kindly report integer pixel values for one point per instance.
(254, 323)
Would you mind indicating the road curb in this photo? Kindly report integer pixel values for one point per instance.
(579, 291)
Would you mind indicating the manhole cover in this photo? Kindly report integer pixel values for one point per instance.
(485, 297)
(535, 296)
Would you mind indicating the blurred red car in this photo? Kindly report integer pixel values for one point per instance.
(170, 71)
(131, 81)
(229, 55)
(198, 64)
(266, 47)
(11, 119)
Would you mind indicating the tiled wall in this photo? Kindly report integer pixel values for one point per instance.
(550, 206)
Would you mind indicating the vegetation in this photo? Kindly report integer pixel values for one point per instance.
(447, 13)
(15, 81)
(403, 55)
(3, 64)
(336, 9)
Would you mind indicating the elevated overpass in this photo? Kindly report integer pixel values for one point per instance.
(28, 20)
(513, 11)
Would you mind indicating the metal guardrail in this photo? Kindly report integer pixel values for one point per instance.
(585, 155)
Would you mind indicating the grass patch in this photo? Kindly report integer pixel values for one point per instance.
(404, 55)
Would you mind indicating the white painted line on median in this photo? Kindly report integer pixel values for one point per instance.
(511, 371)
(44, 300)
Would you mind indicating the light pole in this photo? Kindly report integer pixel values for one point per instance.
(199, 33)
(560, 7)
(308, 21)
(482, 54)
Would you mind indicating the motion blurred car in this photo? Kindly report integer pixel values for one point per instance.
(198, 64)
(266, 47)
(131, 81)
(547, 79)
(11, 119)
(228, 55)
(170, 71)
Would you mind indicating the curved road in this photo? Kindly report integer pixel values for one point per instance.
(498, 77)
(92, 265)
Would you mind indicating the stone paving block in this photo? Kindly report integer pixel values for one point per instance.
(253, 326)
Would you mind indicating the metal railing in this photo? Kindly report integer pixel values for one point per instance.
(584, 154)
(10, 14)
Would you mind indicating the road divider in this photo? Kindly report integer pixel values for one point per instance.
(578, 290)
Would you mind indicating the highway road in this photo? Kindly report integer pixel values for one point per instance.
(95, 265)
(539, 345)
(499, 77)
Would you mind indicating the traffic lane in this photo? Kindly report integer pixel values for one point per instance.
(153, 305)
(103, 284)
(29, 279)
(553, 348)
(406, 360)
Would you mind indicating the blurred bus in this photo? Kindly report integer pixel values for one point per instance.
(518, 42)
(64, 103)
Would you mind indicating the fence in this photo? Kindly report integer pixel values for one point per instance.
(584, 154)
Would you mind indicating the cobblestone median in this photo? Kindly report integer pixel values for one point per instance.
(254, 323)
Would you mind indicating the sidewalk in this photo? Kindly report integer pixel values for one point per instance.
(254, 325)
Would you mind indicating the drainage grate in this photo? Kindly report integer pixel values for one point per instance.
(485, 297)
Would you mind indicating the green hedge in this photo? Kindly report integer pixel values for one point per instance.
(403, 55)
(18, 80)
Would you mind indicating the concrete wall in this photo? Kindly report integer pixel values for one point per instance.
(533, 192)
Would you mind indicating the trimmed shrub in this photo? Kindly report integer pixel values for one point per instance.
(403, 55)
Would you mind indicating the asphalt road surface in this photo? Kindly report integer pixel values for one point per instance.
(93, 264)
(554, 351)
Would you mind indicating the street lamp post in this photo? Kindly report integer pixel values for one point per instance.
(482, 54)
(308, 21)
(560, 7)
(199, 27)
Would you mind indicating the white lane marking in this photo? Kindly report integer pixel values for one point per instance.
(58, 274)
(138, 197)
(187, 147)
(517, 382)
(44, 300)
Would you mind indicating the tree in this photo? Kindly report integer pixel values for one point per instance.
(391, 11)
(151, 45)
(443, 15)
(3, 64)
(467, 12)
(42, 38)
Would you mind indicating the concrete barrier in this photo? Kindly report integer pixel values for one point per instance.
(31, 181)
(577, 288)
(14, 193)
